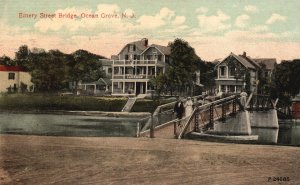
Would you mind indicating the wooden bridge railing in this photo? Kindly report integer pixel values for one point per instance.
(203, 117)
(161, 115)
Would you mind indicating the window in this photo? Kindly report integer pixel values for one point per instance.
(148, 57)
(109, 70)
(116, 70)
(232, 71)
(11, 76)
(222, 71)
(134, 57)
(126, 57)
(132, 48)
(159, 58)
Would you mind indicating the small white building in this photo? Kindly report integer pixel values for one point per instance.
(14, 79)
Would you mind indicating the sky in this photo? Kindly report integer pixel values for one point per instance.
(262, 28)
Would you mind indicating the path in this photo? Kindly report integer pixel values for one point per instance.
(129, 104)
(75, 160)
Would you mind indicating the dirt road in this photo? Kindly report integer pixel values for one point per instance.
(75, 160)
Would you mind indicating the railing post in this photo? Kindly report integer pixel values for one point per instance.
(223, 112)
(257, 103)
(175, 129)
(211, 115)
(152, 127)
(138, 129)
(251, 105)
(234, 105)
(196, 127)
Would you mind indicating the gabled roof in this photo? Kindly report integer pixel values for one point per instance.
(249, 59)
(10, 68)
(139, 44)
(100, 81)
(242, 60)
(163, 49)
(269, 62)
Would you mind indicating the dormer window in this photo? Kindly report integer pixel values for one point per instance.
(132, 48)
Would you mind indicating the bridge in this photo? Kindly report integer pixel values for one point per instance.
(231, 116)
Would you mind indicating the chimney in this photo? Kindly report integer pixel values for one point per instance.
(244, 54)
(145, 42)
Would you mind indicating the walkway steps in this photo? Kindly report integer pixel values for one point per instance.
(129, 104)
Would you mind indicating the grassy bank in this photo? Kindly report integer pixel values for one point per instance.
(23, 102)
(148, 105)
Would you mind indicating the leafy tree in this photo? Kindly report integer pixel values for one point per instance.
(85, 66)
(159, 83)
(183, 65)
(48, 71)
(208, 75)
(5, 60)
(22, 57)
(286, 79)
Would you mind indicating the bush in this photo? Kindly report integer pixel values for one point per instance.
(148, 105)
(54, 102)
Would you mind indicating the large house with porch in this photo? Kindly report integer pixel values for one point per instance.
(135, 65)
(228, 82)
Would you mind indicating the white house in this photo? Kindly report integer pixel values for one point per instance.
(226, 80)
(14, 79)
(135, 65)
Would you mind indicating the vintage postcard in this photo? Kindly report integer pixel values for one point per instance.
(149, 92)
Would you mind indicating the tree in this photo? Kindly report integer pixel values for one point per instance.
(48, 70)
(286, 80)
(208, 75)
(84, 66)
(22, 57)
(184, 63)
(159, 83)
(5, 60)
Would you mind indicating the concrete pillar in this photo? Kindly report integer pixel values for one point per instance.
(95, 89)
(134, 87)
(146, 88)
(235, 89)
(226, 88)
(112, 87)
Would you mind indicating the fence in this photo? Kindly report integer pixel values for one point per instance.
(162, 115)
